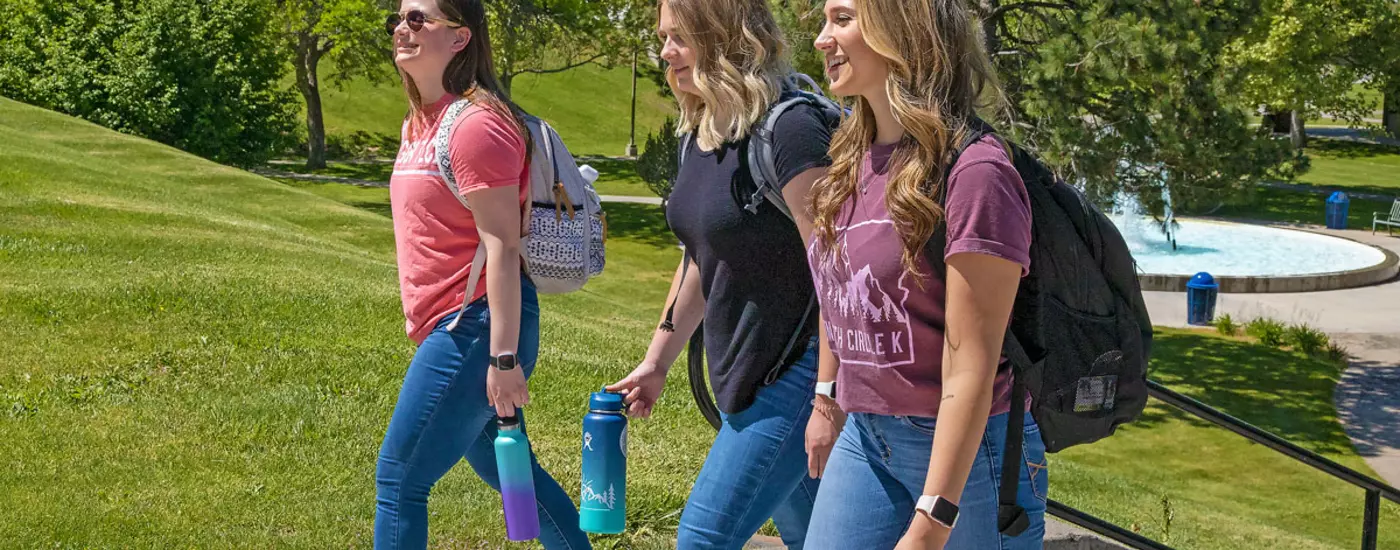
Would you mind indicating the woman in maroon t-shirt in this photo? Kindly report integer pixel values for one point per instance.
(919, 369)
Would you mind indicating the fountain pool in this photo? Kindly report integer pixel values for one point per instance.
(1250, 258)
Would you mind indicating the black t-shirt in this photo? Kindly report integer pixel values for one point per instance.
(753, 267)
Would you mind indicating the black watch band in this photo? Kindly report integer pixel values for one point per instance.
(504, 361)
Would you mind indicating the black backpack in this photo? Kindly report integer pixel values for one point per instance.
(1080, 335)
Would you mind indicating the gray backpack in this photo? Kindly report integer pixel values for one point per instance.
(563, 246)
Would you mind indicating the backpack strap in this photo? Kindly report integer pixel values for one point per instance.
(442, 142)
(761, 158)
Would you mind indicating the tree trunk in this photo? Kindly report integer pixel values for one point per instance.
(1278, 122)
(1296, 133)
(632, 138)
(309, 84)
(1390, 114)
(506, 80)
(990, 38)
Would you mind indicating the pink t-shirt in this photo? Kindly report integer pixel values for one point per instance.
(887, 330)
(435, 236)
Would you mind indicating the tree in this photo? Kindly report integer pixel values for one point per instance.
(1131, 96)
(801, 21)
(191, 74)
(553, 36)
(1302, 57)
(657, 165)
(350, 33)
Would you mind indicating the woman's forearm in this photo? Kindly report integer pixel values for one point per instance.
(666, 345)
(503, 290)
(962, 420)
(980, 291)
(827, 363)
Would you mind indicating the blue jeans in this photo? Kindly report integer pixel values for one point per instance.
(756, 469)
(877, 471)
(442, 415)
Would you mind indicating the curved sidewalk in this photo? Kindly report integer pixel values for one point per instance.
(1366, 320)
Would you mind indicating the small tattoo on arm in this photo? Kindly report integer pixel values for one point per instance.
(947, 397)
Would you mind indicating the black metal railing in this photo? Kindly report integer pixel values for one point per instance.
(1375, 489)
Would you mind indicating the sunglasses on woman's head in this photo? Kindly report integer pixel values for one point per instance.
(415, 19)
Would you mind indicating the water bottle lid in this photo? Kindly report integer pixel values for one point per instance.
(507, 422)
(605, 401)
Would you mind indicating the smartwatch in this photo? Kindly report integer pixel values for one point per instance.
(505, 361)
(827, 388)
(938, 509)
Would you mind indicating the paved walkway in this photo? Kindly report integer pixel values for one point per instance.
(1366, 320)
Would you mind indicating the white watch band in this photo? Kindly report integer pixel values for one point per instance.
(926, 504)
(826, 388)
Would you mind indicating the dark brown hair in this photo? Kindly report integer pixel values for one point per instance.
(472, 72)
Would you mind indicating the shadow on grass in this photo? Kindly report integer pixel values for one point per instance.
(609, 168)
(643, 223)
(1288, 394)
(381, 208)
(1344, 149)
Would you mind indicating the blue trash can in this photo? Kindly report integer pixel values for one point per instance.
(1201, 291)
(1337, 206)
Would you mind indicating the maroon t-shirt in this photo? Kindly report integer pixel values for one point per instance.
(886, 329)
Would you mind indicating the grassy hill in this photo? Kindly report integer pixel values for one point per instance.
(191, 355)
(590, 107)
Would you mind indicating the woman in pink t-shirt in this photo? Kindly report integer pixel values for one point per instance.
(917, 464)
(476, 346)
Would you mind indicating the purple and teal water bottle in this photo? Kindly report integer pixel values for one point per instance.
(603, 499)
(517, 480)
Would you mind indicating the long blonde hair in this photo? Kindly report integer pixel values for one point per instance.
(939, 70)
(739, 69)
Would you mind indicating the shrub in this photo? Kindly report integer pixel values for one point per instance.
(1268, 331)
(1226, 325)
(196, 75)
(1337, 352)
(657, 163)
(1306, 339)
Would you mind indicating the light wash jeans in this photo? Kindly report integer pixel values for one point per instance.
(877, 472)
(757, 468)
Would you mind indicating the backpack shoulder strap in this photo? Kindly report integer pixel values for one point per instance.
(761, 158)
(442, 145)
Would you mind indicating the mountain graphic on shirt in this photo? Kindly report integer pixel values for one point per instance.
(862, 297)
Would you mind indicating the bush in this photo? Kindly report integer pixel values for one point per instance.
(657, 163)
(1337, 352)
(1226, 325)
(1268, 331)
(1306, 339)
(201, 76)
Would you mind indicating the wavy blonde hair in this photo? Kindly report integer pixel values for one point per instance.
(939, 73)
(739, 69)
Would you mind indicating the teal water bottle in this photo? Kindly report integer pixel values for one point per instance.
(517, 478)
(603, 498)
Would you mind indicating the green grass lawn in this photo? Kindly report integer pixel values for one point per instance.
(1343, 164)
(195, 356)
(590, 107)
(1336, 166)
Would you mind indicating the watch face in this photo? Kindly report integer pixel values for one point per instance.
(504, 362)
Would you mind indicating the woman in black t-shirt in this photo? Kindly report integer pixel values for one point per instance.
(744, 273)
